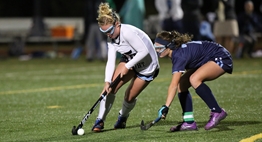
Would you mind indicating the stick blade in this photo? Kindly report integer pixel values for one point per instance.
(142, 125)
(147, 126)
(74, 130)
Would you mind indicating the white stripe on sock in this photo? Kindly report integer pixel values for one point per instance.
(188, 116)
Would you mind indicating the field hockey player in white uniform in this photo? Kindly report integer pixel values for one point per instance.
(138, 63)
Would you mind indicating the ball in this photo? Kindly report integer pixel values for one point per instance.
(80, 131)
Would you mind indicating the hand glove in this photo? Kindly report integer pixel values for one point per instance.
(163, 111)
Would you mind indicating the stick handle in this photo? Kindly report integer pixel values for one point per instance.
(113, 84)
(156, 120)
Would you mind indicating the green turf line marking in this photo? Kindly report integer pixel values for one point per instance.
(252, 138)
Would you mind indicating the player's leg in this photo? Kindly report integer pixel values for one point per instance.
(185, 100)
(207, 72)
(137, 85)
(107, 102)
(129, 102)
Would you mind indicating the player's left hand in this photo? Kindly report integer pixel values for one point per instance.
(163, 111)
(106, 88)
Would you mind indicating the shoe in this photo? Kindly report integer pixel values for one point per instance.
(98, 126)
(121, 122)
(215, 118)
(184, 127)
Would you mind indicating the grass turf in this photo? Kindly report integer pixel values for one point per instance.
(42, 99)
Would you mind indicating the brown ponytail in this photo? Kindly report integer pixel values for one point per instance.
(175, 37)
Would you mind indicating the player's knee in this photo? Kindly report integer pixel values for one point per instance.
(184, 84)
(129, 99)
(195, 81)
(178, 88)
(181, 88)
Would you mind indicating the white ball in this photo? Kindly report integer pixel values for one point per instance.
(80, 131)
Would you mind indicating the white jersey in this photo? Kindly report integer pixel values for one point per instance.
(137, 47)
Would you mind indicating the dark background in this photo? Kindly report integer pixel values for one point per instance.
(76, 8)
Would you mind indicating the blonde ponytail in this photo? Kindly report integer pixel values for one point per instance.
(106, 15)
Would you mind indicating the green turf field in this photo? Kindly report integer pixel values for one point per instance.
(42, 99)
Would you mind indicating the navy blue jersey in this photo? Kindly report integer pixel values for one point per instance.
(196, 53)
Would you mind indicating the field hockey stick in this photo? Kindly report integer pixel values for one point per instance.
(146, 127)
(113, 84)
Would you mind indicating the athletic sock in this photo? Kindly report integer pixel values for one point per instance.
(188, 117)
(206, 95)
(185, 100)
(105, 106)
(126, 108)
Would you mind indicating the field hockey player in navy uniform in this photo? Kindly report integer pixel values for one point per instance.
(138, 64)
(193, 63)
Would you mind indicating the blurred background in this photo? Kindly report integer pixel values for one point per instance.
(63, 28)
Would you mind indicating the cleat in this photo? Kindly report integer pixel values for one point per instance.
(215, 118)
(98, 126)
(121, 122)
(184, 127)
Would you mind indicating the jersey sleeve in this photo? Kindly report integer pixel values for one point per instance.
(179, 64)
(110, 65)
(137, 43)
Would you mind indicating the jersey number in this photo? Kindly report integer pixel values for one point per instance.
(128, 55)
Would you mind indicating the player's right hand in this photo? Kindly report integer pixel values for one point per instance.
(163, 111)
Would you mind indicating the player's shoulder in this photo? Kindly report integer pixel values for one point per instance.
(128, 31)
(127, 27)
(192, 44)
